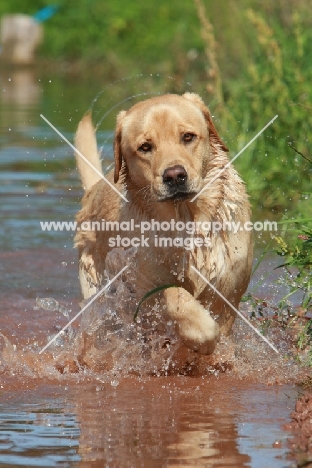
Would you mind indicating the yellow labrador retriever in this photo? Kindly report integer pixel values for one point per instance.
(172, 167)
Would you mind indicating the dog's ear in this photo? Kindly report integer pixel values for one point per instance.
(117, 145)
(213, 134)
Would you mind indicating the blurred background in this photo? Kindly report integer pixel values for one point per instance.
(250, 60)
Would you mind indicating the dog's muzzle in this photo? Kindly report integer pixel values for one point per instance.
(176, 184)
(175, 177)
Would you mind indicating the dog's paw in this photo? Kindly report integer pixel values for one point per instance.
(196, 327)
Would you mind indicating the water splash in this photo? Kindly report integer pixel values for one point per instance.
(109, 345)
(108, 337)
(52, 305)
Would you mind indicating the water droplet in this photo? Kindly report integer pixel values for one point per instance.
(62, 309)
(47, 303)
(277, 444)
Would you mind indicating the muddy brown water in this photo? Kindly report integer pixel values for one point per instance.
(95, 419)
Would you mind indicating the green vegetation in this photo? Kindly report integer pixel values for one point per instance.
(57, 165)
(251, 60)
(149, 294)
(295, 247)
(297, 256)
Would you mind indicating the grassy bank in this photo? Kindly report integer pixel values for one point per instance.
(252, 58)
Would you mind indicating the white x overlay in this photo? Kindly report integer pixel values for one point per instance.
(84, 308)
(234, 308)
(194, 198)
(232, 160)
(84, 158)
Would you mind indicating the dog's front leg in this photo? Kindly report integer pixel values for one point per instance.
(196, 327)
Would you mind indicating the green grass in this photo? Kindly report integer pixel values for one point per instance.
(250, 59)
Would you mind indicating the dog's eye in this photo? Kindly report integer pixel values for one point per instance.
(145, 148)
(188, 137)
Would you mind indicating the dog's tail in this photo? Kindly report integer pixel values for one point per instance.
(87, 155)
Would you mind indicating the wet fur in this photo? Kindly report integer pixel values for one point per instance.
(226, 263)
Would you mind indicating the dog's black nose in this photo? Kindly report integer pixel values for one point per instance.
(175, 176)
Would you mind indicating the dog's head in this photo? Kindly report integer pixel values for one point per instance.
(165, 143)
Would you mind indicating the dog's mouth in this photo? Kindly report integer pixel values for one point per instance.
(177, 196)
(177, 190)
